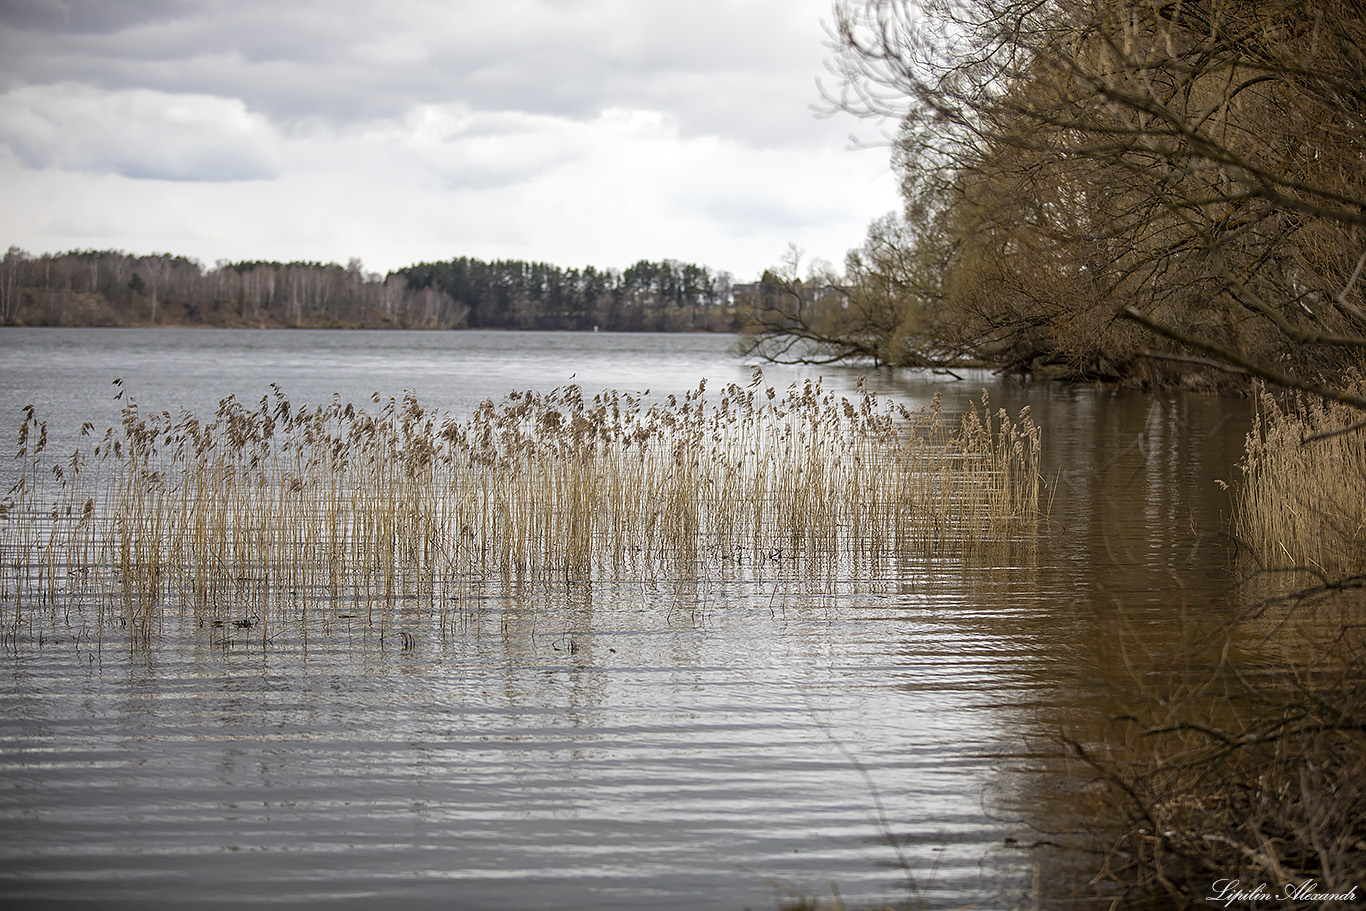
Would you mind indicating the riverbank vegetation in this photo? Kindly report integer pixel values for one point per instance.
(1238, 759)
(1302, 501)
(1245, 761)
(112, 288)
(1151, 193)
(1232, 747)
(276, 510)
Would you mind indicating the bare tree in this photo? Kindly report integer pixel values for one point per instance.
(12, 277)
(1189, 169)
(155, 267)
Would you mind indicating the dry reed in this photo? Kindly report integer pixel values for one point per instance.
(1302, 503)
(276, 506)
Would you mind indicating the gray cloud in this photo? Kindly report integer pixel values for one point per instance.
(564, 130)
(95, 17)
(720, 68)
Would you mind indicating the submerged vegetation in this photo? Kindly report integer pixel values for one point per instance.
(285, 508)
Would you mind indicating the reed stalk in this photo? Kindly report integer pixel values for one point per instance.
(275, 508)
(1302, 501)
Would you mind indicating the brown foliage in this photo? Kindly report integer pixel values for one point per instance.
(1071, 164)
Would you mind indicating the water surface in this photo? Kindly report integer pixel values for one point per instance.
(631, 742)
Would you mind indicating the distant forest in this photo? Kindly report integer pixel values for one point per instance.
(113, 288)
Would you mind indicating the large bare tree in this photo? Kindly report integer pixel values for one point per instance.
(1129, 187)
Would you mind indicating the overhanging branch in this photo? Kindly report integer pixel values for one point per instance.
(1244, 364)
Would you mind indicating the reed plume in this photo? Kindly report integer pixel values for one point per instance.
(273, 507)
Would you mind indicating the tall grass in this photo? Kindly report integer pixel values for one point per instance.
(277, 506)
(1303, 499)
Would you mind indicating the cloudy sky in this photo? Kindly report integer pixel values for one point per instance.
(575, 132)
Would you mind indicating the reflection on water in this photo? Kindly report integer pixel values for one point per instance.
(629, 743)
(578, 747)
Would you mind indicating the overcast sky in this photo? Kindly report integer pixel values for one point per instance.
(575, 132)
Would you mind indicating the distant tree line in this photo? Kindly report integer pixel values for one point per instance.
(666, 296)
(113, 288)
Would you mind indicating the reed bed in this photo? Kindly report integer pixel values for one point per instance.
(1302, 503)
(281, 507)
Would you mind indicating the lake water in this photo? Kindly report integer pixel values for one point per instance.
(629, 743)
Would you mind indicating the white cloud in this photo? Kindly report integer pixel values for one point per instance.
(576, 131)
(140, 133)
